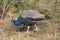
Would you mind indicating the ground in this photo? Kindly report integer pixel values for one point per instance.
(49, 31)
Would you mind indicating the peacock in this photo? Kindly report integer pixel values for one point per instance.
(29, 18)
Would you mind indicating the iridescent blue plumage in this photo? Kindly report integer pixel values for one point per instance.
(25, 21)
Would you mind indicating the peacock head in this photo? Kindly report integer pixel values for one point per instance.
(14, 22)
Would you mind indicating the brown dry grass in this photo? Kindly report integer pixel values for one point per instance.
(8, 31)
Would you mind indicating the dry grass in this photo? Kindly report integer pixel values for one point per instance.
(26, 36)
(48, 27)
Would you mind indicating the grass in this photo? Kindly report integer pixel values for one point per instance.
(48, 31)
(50, 28)
(27, 36)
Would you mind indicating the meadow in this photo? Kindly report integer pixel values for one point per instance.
(50, 28)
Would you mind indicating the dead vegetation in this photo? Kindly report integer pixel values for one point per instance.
(48, 31)
(50, 28)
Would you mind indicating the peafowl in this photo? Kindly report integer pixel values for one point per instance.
(25, 21)
(29, 18)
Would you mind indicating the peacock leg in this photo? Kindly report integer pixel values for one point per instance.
(36, 28)
(28, 29)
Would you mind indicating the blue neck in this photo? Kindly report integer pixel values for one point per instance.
(19, 21)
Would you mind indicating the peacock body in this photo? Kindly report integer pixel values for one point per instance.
(28, 18)
(21, 20)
